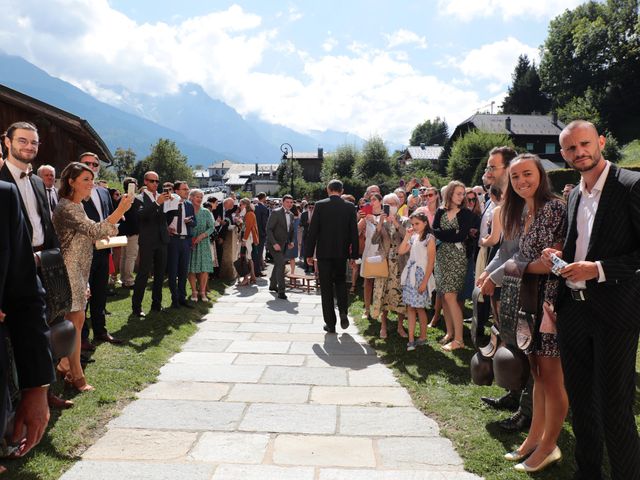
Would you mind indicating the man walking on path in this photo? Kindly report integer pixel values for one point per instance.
(333, 236)
(279, 238)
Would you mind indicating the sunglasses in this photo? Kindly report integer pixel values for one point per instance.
(92, 164)
(152, 180)
(471, 199)
(429, 195)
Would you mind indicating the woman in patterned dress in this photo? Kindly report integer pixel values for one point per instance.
(533, 214)
(387, 292)
(366, 228)
(78, 234)
(451, 226)
(201, 263)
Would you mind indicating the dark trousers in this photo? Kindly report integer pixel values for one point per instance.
(178, 256)
(277, 274)
(598, 350)
(259, 267)
(332, 273)
(256, 257)
(98, 283)
(150, 258)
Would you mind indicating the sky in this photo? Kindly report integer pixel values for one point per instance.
(368, 67)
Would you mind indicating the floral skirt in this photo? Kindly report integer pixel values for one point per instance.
(410, 294)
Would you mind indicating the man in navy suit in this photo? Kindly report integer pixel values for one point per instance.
(262, 218)
(598, 322)
(22, 319)
(97, 208)
(181, 221)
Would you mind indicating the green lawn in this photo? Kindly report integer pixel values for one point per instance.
(440, 385)
(118, 373)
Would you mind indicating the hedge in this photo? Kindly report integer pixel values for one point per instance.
(559, 178)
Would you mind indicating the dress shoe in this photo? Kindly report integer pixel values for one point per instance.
(515, 423)
(282, 296)
(344, 321)
(516, 456)
(186, 304)
(328, 329)
(552, 458)
(87, 346)
(139, 314)
(506, 402)
(272, 289)
(57, 402)
(107, 337)
(158, 309)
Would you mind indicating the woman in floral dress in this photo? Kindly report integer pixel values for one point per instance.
(201, 263)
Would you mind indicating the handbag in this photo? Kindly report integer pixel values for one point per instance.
(375, 267)
(242, 266)
(519, 305)
(55, 280)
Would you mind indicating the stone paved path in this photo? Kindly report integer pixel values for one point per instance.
(260, 393)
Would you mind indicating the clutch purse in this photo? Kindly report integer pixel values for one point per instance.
(375, 267)
(111, 242)
(55, 280)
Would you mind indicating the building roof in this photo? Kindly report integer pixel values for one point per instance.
(520, 124)
(222, 164)
(236, 181)
(201, 174)
(425, 152)
(549, 165)
(304, 155)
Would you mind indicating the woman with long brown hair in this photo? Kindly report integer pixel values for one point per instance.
(78, 234)
(538, 218)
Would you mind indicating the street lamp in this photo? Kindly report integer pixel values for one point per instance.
(284, 148)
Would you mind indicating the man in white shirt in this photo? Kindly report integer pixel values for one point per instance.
(48, 175)
(597, 317)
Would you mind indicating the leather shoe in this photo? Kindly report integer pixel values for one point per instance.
(58, 403)
(273, 289)
(87, 346)
(328, 329)
(282, 296)
(344, 321)
(158, 309)
(553, 457)
(506, 402)
(186, 304)
(107, 337)
(139, 314)
(515, 423)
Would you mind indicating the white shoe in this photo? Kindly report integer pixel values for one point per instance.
(194, 298)
(553, 457)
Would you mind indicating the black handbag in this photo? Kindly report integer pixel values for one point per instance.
(55, 280)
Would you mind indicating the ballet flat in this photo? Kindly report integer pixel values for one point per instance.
(516, 457)
(553, 457)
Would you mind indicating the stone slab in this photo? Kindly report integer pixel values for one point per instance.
(418, 453)
(380, 421)
(352, 362)
(283, 318)
(269, 359)
(264, 327)
(204, 358)
(323, 451)
(228, 309)
(197, 344)
(262, 472)
(264, 417)
(251, 346)
(222, 447)
(331, 347)
(218, 326)
(216, 335)
(372, 377)
(289, 337)
(380, 396)
(352, 474)
(211, 373)
(126, 444)
(180, 415)
(185, 391)
(266, 393)
(94, 470)
(304, 376)
(226, 315)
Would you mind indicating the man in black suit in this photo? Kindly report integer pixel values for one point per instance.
(48, 175)
(97, 208)
(333, 236)
(22, 319)
(598, 322)
(279, 238)
(305, 221)
(153, 240)
(262, 218)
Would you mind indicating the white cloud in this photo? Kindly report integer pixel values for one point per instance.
(294, 14)
(329, 44)
(405, 37)
(364, 91)
(467, 10)
(494, 61)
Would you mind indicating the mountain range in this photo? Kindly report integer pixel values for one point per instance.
(206, 130)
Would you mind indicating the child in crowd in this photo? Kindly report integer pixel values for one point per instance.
(417, 277)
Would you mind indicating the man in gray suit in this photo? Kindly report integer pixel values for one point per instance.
(279, 238)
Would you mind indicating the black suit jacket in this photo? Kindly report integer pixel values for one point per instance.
(92, 212)
(262, 218)
(333, 232)
(152, 222)
(22, 300)
(50, 237)
(614, 241)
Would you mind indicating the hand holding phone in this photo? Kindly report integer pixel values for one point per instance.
(131, 189)
(386, 210)
(415, 192)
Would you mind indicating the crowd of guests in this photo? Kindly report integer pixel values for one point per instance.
(416, 248)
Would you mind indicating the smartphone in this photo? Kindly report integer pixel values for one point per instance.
(415, 192)
(386, 210)
(131, 189)
(367, 209)
(166, 190)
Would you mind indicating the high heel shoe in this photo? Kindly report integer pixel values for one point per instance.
(553, 457)
(80, 384)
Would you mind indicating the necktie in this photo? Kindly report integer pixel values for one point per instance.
(52, 201)
(179, 226)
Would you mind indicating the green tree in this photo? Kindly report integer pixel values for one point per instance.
(167, 161)
(612, 151)
(469, 154)
(631, 154)
(524, 95)
(283, 174)
(340, 163)
(431, 132)
(373, 163)
(596, 48)
(581, 108)
(123, 162)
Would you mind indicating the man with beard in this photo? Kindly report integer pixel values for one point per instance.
(597, 320)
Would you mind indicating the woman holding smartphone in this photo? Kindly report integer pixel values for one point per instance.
(367, 227)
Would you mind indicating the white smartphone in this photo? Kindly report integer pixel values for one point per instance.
(131, 189)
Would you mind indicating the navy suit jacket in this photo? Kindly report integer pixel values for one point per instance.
(93, 214)
(22, 300)
(188, 212)
(262, 218)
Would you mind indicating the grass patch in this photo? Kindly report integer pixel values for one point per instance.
(440, 385)
(119, 371)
